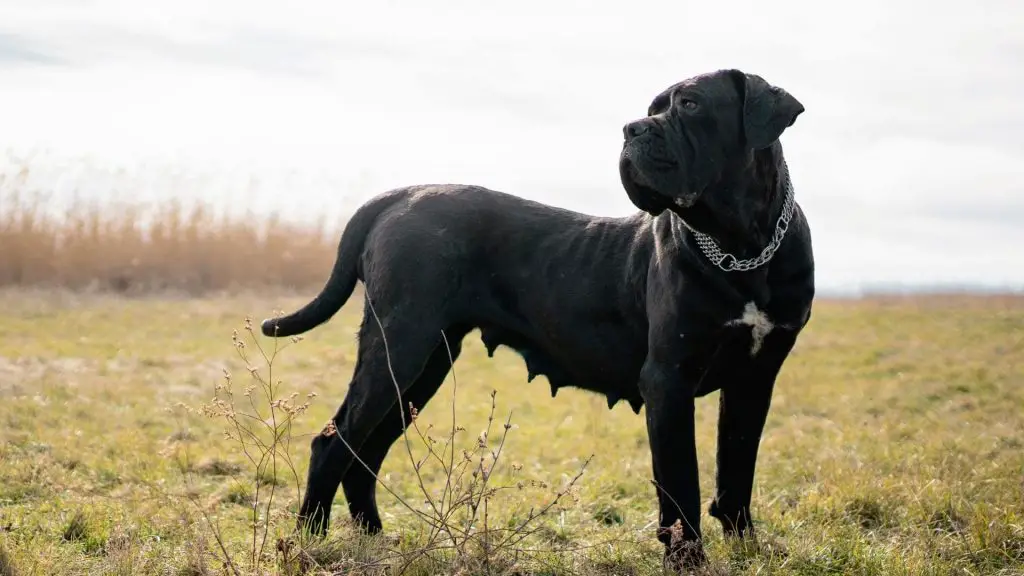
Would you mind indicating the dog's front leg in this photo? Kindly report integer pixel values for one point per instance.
(670, 431)
(746, 393)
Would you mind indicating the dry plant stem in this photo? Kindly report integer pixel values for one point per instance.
(185, 469)
(401, 408)
(256, 550)
(269, 390)
(215, 529)
(485, 473)
(674, 503)
(558, 496)
(477, 494)
(411, 557)
(479, 490)
(448, 491)
(261, 452)
(423, 516)
(481, 470)
(417, 466)
(582, 547)
(451, 437)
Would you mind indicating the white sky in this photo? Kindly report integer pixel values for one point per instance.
(908, 159)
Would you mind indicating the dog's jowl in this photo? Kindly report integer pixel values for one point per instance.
(705, 288)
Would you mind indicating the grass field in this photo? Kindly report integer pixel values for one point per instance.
(895, 445)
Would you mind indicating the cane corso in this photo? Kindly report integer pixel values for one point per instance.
(705, 289)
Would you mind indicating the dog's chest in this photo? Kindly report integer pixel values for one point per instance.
(757, 321)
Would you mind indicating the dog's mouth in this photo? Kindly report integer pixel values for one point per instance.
(687, 202)
(635, 174)
(642, 155)
(661, 164)
(643, 193)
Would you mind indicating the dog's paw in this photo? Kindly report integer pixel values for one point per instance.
(684, 552)
(735, 524)
(685, 557)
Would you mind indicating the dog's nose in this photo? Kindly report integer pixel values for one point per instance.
(634, 129)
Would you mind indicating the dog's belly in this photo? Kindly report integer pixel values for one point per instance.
(599, 359)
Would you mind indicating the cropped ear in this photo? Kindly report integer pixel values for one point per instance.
(767, 111)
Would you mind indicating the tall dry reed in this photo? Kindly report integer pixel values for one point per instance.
(131, 249)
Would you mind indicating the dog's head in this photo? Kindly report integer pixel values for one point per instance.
(698, 134)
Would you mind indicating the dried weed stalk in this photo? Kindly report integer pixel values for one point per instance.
(462, 534)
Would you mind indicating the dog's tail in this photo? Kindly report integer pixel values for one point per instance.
(343, 277)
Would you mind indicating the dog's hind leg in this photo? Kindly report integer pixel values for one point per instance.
(411, 340)
(359, 483)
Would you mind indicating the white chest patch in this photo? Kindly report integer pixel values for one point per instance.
(760, 325)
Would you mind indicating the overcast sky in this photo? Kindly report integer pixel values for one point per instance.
(909, 159)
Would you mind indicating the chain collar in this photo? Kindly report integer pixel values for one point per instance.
(730, 263)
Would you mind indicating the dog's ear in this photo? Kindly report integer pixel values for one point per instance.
(767, 111)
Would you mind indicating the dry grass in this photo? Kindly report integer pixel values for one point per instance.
(135, 249)
(894, 446)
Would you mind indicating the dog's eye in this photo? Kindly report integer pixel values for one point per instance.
(688, 104)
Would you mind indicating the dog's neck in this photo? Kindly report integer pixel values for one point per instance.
(742, 215)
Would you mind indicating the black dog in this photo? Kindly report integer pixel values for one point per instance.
(706, 289)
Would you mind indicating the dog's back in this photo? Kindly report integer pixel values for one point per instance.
(535, 277)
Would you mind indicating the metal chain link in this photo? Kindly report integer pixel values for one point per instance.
(728, 262)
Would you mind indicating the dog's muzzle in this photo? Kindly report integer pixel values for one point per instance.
(648, 166)
(636, 128)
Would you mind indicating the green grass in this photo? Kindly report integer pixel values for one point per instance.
(895, 445)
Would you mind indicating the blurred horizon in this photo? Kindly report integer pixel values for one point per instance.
(907, 160)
